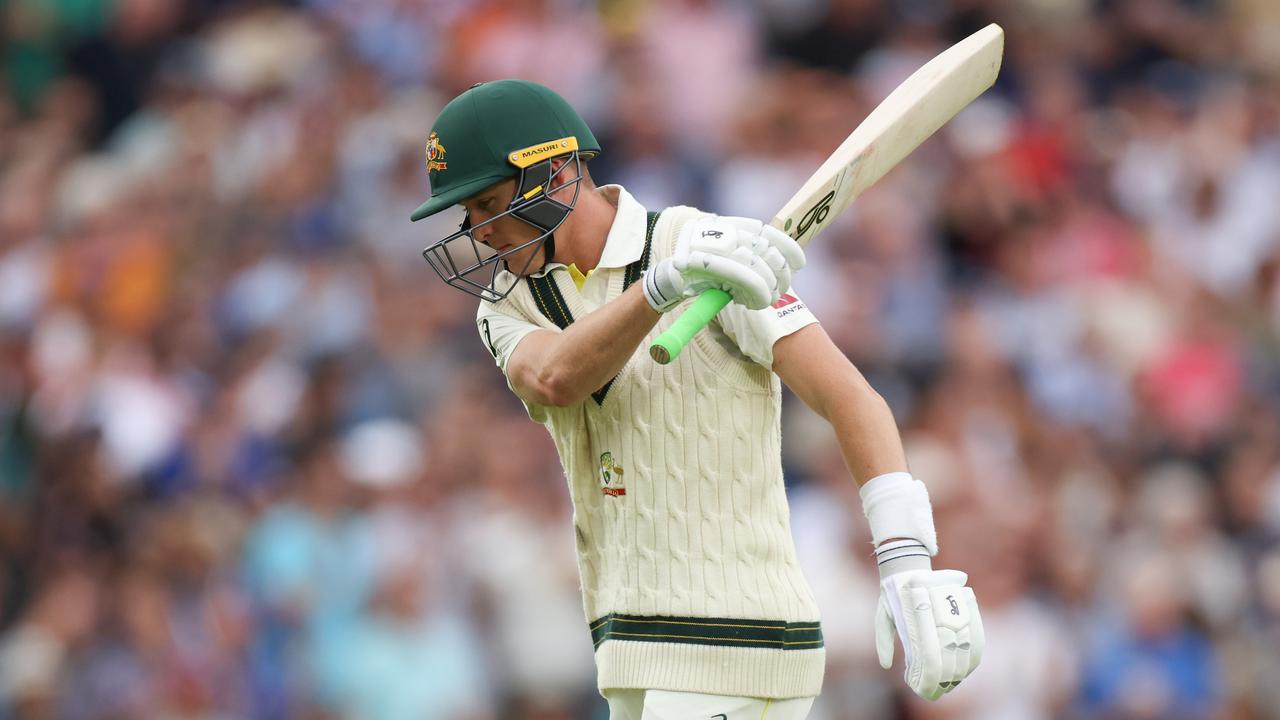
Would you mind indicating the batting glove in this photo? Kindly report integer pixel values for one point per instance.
(937, 621)
(934, 614)
(751, 261)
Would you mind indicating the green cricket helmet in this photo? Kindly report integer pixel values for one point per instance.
(492, 132)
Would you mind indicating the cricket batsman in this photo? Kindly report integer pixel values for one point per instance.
(692, 592)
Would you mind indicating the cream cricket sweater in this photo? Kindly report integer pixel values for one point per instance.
(689, 573)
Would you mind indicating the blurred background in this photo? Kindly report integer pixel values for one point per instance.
(256, 463)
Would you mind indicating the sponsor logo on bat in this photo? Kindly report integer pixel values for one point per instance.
(815, 214)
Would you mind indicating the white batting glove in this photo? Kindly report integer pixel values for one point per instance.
(935, 615)
(751, 261)
(937, 620)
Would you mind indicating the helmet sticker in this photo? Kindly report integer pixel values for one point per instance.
(435, 153)
(525, 157)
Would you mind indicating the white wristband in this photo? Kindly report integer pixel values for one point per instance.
(897, 506)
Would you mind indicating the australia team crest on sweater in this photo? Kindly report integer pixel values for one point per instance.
(611, 476)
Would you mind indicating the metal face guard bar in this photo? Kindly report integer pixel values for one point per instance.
(473, 267)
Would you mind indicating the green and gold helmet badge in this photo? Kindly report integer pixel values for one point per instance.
(435, 153)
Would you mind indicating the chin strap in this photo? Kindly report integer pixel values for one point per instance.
(549, 246)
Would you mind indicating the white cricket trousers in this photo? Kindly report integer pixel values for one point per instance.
(665, 705)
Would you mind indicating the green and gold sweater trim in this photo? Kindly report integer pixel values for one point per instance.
(773, 634)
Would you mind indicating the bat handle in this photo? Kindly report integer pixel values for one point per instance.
(669, 344)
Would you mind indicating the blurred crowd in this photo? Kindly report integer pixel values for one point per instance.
(256, 463)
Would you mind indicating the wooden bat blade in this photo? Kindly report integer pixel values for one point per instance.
(915, 110)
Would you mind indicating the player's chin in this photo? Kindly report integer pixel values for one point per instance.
(524, 262)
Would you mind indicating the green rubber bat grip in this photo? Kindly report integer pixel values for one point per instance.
(670, 343)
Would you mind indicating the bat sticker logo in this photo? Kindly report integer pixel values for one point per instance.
(815, 214)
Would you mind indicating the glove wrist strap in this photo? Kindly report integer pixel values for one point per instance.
(898, 556)
(658, 290)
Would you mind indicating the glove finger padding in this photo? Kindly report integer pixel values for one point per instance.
(951, 613)
(742, 282)
(936, 618)
(767, 238)
(786, 246)
(949, 655)
(962, 659)
(757, 265)
(775, 261)
(925, 673)
(726, 253)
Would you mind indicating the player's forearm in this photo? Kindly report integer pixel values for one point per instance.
(865, 428)
(595, 348)
(820, 375)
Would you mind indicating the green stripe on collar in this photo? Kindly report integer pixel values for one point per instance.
(637, 268)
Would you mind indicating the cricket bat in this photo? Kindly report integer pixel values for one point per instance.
(914, 111)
